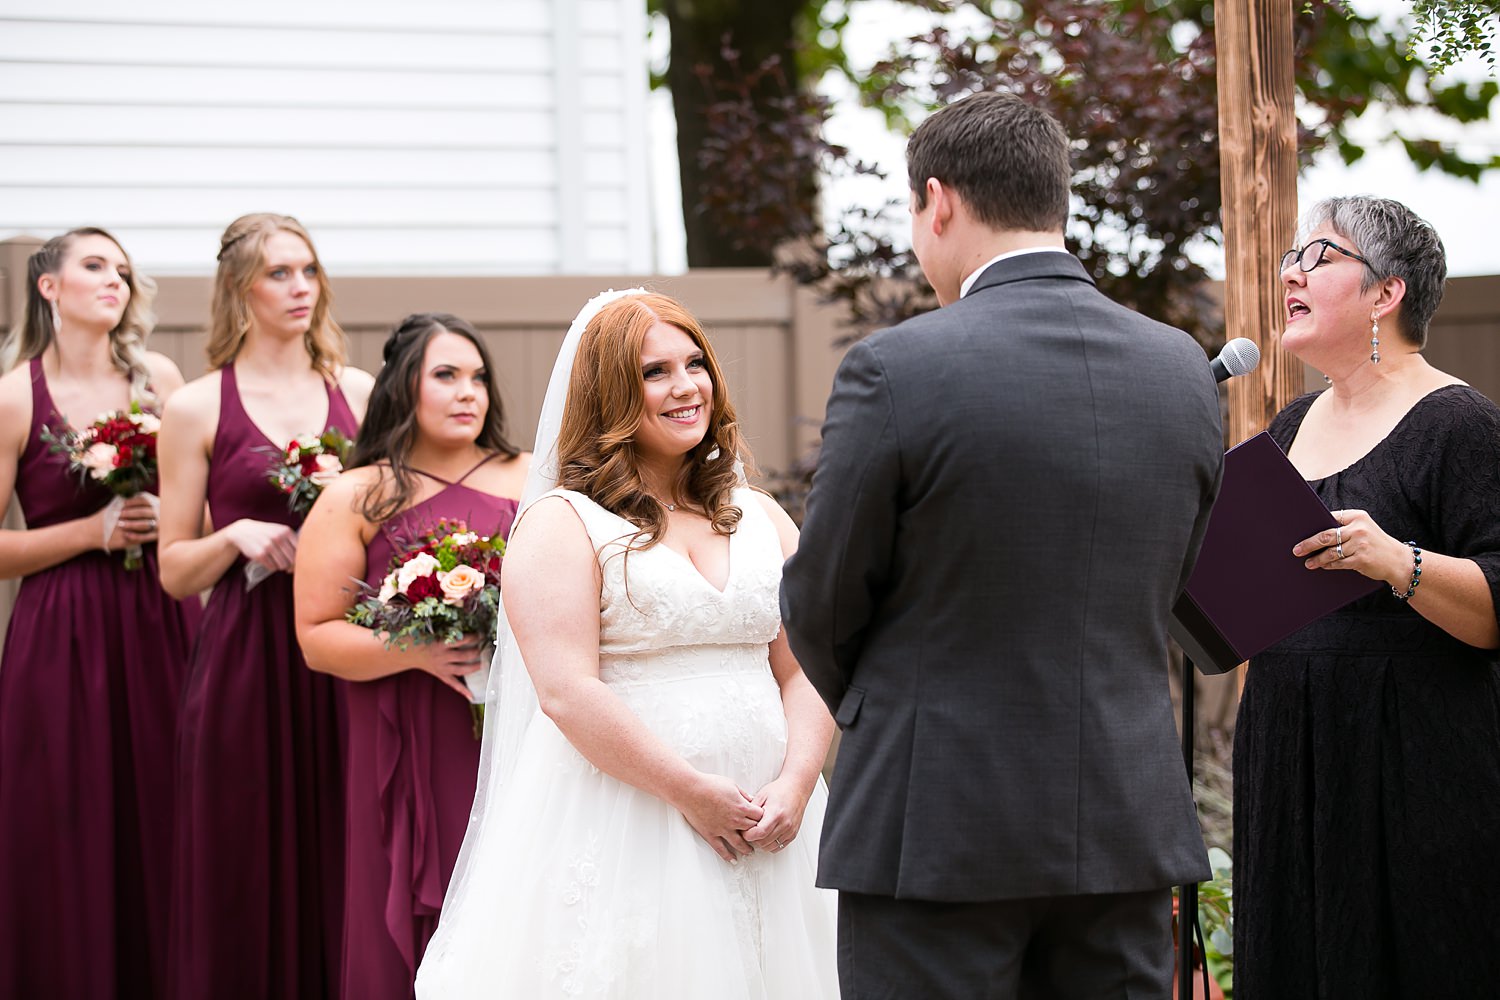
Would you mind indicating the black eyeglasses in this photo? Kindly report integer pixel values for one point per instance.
(1307, 263)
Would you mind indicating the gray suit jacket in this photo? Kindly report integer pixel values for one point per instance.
(1010, 496)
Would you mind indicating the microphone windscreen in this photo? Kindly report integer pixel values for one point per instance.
(1240, 356)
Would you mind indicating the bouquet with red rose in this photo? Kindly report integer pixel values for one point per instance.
(117, 451)
(443, 588)
(307, 465)
(300, 471)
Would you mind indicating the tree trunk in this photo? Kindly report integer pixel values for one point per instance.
(757, 30)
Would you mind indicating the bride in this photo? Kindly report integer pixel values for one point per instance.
(644, 795)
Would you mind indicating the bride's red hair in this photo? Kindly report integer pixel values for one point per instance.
(606, 403)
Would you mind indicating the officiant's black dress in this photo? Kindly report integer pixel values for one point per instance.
(1367, 751)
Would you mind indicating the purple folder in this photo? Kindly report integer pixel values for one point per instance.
(1248, 591)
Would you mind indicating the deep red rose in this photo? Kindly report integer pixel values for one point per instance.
(424, 586)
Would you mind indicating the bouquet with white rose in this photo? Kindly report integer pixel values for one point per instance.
(301, 470)
(117, 451)
(443, 588)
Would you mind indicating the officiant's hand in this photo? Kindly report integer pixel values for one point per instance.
(783, 803)
(449, 664)
(1358, 543)
(718, 810)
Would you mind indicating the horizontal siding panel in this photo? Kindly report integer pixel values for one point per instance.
(47, 209)
(293, 128)
(599, 17)
(600, 54)
(329, 15)
(42, 165)
(347, 251)
(603, 129)
(601, 92)
(48, 83)
(268, 47)
(605, 245)
(601, 207)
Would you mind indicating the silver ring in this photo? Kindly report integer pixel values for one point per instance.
(1339, 548)
(780, 844)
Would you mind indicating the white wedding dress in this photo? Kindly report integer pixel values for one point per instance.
(589, 887)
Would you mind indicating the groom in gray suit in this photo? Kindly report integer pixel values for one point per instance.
(1010, 496)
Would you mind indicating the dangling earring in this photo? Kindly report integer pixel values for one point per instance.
(56, 317)
(1374, 339)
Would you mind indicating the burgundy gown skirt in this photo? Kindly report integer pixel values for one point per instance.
(90, 677)
(258, 877)
(413, 760)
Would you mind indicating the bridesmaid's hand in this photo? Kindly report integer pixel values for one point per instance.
(449, 664)
(272, 545)
(136, 524)
(718, 810)
(783, 803)
(1366, 549)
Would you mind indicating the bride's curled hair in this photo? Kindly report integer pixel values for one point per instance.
(596, 448)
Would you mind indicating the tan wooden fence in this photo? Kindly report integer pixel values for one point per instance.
(776, 341)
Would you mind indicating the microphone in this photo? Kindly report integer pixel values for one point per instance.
(1239, 357)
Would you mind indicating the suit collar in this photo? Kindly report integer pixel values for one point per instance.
(1027, 267)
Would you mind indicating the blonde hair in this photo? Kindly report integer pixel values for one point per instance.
(596, 448)
(127, 341)
(241, 255)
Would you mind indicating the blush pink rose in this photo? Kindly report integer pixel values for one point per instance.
(459, 582)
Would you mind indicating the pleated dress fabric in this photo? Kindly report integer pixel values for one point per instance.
(92, 670)
(412, 763)
(259, 850)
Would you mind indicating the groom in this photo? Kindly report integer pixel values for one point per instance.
(1010, 496)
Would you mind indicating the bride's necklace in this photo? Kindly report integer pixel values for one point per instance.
(669, 506)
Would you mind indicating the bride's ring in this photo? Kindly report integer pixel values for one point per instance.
(1339, 548)
(780, 844)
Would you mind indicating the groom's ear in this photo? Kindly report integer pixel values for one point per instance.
(940, 199)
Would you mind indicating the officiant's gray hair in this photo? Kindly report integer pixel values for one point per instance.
(1395, 243)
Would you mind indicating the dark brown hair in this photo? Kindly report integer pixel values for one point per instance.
(1007, 159)
(596, 448)
(389, 430)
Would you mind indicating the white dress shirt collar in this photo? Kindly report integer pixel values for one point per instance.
(974, 276)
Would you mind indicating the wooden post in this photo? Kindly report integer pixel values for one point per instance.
(1258, 178)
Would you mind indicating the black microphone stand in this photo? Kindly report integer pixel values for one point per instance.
(1187, 895)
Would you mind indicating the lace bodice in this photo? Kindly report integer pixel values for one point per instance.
(654, 599)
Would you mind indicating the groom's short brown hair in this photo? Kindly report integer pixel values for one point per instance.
(1006, 158)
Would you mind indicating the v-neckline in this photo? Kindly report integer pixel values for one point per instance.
(728, 573)
(240, 399)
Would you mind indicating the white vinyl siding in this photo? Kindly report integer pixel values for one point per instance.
(437, 137)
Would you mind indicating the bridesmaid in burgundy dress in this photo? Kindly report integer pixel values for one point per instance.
(258, 855)
(433, 447)
(95, 654)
